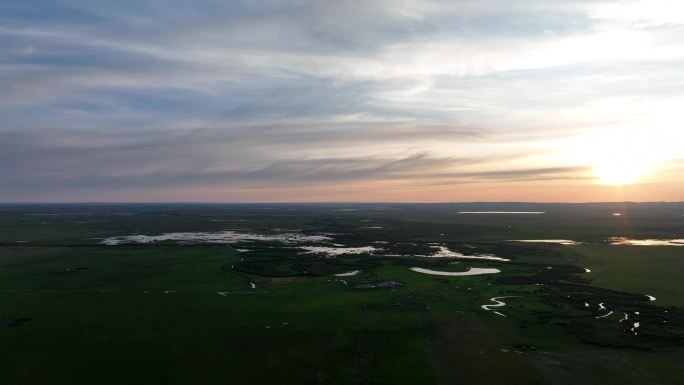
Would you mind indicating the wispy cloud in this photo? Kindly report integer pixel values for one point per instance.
(147, 94)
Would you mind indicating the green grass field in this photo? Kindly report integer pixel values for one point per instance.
(76, 311)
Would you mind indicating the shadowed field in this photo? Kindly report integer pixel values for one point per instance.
(268, 311)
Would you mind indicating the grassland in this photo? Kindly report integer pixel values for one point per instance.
(76, 311)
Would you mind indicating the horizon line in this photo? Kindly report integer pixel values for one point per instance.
(329, 202)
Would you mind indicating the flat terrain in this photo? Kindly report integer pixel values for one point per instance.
(324, 294)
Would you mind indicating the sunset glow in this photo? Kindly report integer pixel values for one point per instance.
(343, 100)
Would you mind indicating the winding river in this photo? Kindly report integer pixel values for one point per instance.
(497, 303)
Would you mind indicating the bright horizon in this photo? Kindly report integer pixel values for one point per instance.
(343, 101)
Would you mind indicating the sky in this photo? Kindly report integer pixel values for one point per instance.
(383, 100)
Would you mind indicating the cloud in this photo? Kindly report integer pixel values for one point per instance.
(124, 161)
(171, 94)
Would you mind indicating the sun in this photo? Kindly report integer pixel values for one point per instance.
(620, 159)
(620, 163)
(615, 172)
(642, 148)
